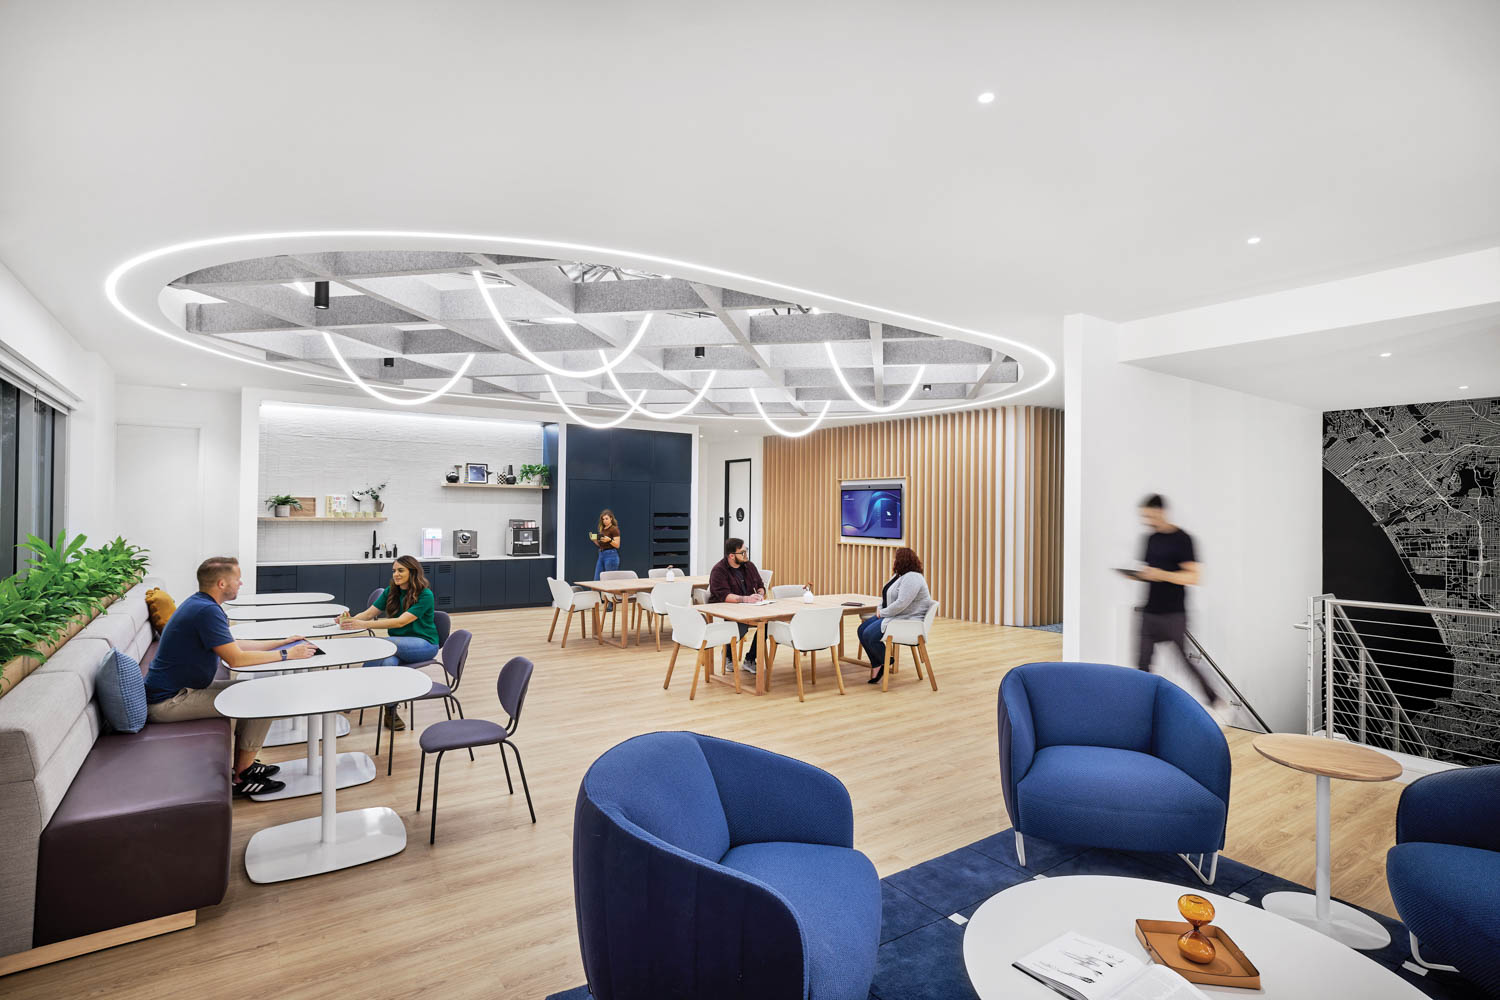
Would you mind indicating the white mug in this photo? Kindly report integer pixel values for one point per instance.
(807, 596)
(671, 573)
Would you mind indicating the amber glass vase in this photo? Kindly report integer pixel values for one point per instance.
(1194, 945)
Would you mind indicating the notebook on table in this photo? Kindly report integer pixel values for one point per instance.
(1085, 969)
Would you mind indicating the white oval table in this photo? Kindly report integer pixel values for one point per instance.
(305, 777)
(285, 628)
(1295, 962)
(273, 612)
(261, 600)
(334, 840)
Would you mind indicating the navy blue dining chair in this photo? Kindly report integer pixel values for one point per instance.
(452, 658)
(466, 734)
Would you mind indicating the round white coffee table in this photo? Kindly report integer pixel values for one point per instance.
(1295, 962)
(284, 628)
(272, 612)
(336, 839)
(305, 776)
(258, 600)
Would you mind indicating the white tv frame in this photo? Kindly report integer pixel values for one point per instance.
(862, 484)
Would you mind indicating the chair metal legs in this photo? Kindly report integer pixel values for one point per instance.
(519, 767)
(1020, 844)
(421, 774)
(1213, 871)
(437, 768)
(1416, 956)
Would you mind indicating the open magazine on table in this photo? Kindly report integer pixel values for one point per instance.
(1085, 969)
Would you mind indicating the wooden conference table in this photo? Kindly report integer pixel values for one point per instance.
(623, 590)
(780, 610)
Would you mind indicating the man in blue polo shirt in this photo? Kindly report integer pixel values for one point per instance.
(180, 684)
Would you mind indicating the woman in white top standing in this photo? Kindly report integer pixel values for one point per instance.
(905, 595)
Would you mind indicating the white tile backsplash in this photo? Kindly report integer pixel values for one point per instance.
(314, 451)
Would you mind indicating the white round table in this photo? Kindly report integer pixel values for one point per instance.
(1295, 962)
(273, 612)
(335, 840)
(313, 628)
(260, 600)
(305, 777)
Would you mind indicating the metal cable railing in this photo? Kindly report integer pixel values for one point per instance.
(1411, 679)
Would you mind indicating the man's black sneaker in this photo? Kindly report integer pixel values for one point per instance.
(257, 786)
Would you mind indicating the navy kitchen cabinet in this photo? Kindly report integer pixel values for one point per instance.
(324, 579)
(275, 579)
(466, 585)
(362, 578)
(492, 584)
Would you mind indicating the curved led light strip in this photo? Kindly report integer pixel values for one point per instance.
(784, 433)
(536, 360)
(666, 264)
(664, 416)
(636, 405)
(392, 399)
(849, 389)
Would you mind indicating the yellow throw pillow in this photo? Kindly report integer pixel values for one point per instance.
(159, 607)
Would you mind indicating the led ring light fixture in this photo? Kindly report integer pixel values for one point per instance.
(526, 353)
(849, 389)
(393, 399)
(112, 291)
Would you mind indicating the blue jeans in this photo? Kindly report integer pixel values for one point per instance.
(609, 560)
(871, 638)
(409, 649)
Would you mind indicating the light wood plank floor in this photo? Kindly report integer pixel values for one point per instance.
(488, 911)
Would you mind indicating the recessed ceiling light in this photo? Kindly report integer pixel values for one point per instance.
(184, 385)
(736, 430)
(1253, 240)
(1463, 387)
(1385, 354)
(987, 97)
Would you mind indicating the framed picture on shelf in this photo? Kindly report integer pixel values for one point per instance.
(477, 472)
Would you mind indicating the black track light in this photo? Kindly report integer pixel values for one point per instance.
(926, 386)
(699, 352)
(388, 362)
(320, 295)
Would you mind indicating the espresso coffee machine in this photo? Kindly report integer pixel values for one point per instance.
(523, 538)
(465, 543)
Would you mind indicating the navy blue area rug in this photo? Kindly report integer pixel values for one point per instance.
(926, 906)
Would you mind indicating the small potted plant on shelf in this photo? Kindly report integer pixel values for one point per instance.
(373, 492)
(537, 472)
(282, 504)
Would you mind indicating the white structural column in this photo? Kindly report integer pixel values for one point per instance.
(1014, 462)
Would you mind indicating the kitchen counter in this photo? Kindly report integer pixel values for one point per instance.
(428, 559)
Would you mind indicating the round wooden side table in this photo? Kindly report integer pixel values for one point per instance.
(1327, 759)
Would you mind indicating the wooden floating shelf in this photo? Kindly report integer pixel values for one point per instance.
(493, 486)
(327, 520)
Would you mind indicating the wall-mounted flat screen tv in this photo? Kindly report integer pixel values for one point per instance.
(873, 511)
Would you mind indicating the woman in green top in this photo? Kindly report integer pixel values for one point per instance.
(405, 609)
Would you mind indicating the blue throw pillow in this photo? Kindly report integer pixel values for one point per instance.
(121, 691)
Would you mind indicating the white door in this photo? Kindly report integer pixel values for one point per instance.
(737, 503)
(159, 496)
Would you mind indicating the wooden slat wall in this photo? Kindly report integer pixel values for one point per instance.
(958, 468)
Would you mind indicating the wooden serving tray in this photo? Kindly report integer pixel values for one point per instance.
(1230, 967)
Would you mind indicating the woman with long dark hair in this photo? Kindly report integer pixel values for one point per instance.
(405, 609)
(905, 595)
(607, 537)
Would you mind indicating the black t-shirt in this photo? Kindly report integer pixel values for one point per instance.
(1167, 550)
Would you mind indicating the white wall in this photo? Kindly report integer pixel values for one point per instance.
(319, 450)
(204, 465)
(714, 449)
(33, 335)
(1242, 475)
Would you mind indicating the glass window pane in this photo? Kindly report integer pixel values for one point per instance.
(9, 439)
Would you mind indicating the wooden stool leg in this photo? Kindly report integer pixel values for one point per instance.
(566, 626)
(922, 648)
(555, 613)
(838, 673)
(890, 661)
(670, 664)
(797, 666)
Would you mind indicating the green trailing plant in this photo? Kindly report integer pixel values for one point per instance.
(282, 500)
(62, 583)
(538, 472)
(373, 492)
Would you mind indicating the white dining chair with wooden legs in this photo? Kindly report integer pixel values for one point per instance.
(613, 602)
(565, 601)
(653, 603)
(784, 590)
(808, 632)
(690, 631)
(910, 632)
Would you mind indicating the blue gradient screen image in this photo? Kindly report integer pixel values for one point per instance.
(872, 512)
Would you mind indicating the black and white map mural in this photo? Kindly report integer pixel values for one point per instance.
(1410, 516)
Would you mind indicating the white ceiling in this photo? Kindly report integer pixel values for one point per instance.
(837, 147)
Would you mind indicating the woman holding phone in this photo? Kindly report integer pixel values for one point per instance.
(607, 537)
(405, 609)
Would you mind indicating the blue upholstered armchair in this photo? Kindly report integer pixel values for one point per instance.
(1444, 872)
(1102, 756)
(709, 869)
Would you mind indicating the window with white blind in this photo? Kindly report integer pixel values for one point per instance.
(31, 469)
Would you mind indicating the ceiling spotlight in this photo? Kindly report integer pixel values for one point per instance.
(1253, 240)
(1385, 354)
(388, 362)
(926, 386)
(184, 385)
(320, 295)
(987, 97)
(1463, 387)
(700, 352)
